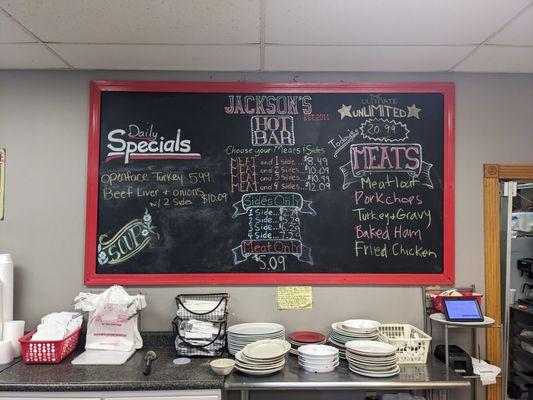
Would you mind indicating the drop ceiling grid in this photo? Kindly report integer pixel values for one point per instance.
(484, 59)
(139, 21)
(383, 22)
(11, 32)
(277, 35)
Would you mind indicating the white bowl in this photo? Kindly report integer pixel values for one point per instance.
(222, 366)
(319, 370)
(361, 325)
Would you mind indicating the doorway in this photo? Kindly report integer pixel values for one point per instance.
(494, 175)
(517, 279)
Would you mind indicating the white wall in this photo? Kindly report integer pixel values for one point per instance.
(44, 124)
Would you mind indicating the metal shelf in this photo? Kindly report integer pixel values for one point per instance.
(477, 376)
(527, 378)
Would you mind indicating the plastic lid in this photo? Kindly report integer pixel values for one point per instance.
(181, 361)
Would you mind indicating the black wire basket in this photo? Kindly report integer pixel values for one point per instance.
(210, 310)
(217, 312)
(213, 347)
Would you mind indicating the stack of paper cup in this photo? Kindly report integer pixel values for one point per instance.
(10, 331)
(6, 352)
(6, 277)
(13, 331)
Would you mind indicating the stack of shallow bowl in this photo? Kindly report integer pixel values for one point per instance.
(372, 359)
(318, 358)
(263, 357)
(302, 338)
(352, 329)
(242, 334)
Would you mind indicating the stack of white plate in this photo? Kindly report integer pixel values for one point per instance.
(302, 338)
(263, 357)
(352, 329)
(242, 334)
(372, 359)
(318, 358)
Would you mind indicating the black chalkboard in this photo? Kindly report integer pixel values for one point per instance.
(265, 183)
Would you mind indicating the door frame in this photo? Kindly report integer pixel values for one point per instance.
(493, 175)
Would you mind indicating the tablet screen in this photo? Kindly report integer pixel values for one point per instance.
(462, 310)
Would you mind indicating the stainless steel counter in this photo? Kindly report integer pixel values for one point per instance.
(430, 376)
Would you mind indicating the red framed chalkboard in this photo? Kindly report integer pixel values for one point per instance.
(195, 183)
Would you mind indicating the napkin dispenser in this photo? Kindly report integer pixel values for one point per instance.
(460, 361)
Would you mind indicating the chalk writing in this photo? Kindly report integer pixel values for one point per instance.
(263, 104)
(273, 226)
(280, 172)
(130, 240)
(389, 157)
(385, 130)
(272, 131)
(151, 147)
(380, 111)
(341, 142)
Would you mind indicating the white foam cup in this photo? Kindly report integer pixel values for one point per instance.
(6, 352)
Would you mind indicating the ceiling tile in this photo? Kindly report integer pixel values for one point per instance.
(28, 56)
(363, 58)
(160, 57)
(11, 32)
(499, 59)
(139, 21)
(519, 32)
(385, 22)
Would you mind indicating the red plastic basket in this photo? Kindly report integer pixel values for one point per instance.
(49, 351)
(439, 306)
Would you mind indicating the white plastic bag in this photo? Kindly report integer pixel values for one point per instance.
(113, 319)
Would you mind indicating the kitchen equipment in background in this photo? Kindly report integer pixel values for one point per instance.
(149, 357)
(200, 324)
(412, 344)
(13, 331)
(263, 357)
(354, 329)
(527, 289)
(522, 223)
(525, 266)
(460, 361)
(318, 358)
(241, 335)
(525, 302)
(6, 352)
(302, 338)
(372, 359)
(512, 296)
(6, 277)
